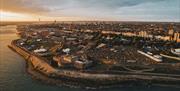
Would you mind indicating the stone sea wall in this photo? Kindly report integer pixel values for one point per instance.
(40, 65)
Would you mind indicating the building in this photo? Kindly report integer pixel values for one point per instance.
(130, 34)
(143, 34)
(176, 37)
(65, 60)
(165, 38)
(82, 63)
(42, 52)
(72, 61)
(171, 32)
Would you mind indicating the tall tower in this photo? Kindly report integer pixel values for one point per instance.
(160, 28)
(171, 32)
(176, 36)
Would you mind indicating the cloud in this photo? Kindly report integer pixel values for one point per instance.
(23, 6)
(114, 3)
(100, 4)
(118, 9)
(93, 7)
(40, 6)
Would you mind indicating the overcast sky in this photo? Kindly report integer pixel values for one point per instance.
(132, 10)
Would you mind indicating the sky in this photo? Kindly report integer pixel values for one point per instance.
(80, 10)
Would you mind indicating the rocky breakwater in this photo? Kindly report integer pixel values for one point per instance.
(88, 79)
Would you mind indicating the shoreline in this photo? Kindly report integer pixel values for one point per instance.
(75, 82)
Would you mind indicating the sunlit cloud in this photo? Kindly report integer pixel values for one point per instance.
(146, 10)
(11, 16)
(23, 6)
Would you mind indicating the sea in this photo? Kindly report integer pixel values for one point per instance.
(13, 75)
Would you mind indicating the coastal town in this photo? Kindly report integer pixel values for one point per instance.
(90, 45)
(138, 48)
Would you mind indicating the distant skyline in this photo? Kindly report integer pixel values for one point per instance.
(90, 10)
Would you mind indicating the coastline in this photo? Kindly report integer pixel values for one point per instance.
(76, 81)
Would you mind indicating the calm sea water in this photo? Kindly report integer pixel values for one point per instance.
(13, 76)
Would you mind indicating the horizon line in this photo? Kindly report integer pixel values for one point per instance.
(96, 21)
